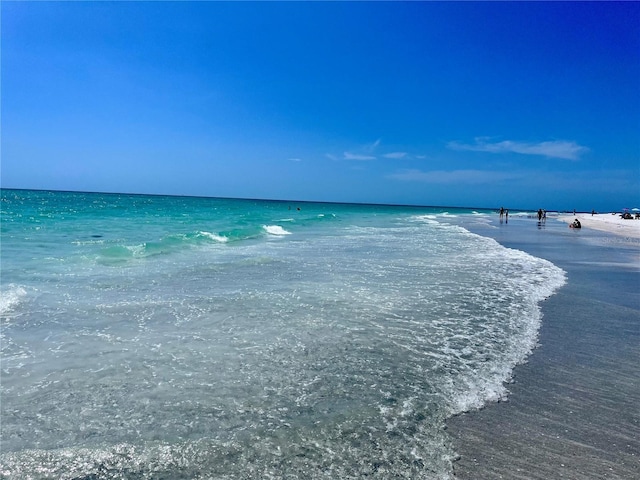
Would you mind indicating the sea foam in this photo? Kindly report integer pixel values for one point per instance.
(276, 230)
(11, 298)
(214, 237)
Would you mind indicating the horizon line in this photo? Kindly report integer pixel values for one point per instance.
(257, 199)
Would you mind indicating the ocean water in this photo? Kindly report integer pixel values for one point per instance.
(148, 337)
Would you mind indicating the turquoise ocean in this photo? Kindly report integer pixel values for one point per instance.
(148, 337)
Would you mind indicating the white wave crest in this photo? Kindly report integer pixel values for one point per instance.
(10, 298)
(214, 237)
(430, 219)
(275, 230)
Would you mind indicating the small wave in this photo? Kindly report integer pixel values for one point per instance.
(520, 214)
(275, 230)
(117, 254)
(425, 217)
(11, 298)
(213, 236)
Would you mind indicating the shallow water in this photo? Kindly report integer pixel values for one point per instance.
(194, 338)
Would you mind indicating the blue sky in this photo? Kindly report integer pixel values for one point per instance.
(525, 105)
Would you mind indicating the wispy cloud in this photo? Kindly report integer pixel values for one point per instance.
(295, 159)
(358, 153)
(372, 146)
(554, 149)
(357, 156)
(474, 177)
(395, 155)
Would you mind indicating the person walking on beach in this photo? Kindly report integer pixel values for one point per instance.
(501, 213)
(540, 215)
(506, 215)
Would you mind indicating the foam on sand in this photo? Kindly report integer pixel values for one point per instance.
(572, 410)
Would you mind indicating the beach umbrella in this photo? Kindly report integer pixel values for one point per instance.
(635, 209)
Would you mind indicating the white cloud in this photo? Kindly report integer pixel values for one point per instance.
(355, 156)
(295, 159)
(473, 177)
(397, 155)
(554, 149)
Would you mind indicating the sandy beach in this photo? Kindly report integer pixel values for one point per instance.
(572, 411)
(606, 222)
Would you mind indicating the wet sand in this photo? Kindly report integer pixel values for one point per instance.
(574, 409)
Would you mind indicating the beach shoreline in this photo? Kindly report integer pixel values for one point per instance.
(605, 222)
(571, 411)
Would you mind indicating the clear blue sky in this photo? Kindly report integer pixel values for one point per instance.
(485, 104)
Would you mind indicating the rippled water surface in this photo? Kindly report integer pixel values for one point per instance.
(168, 337)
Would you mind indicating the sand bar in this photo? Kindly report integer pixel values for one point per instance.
(572, 412)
